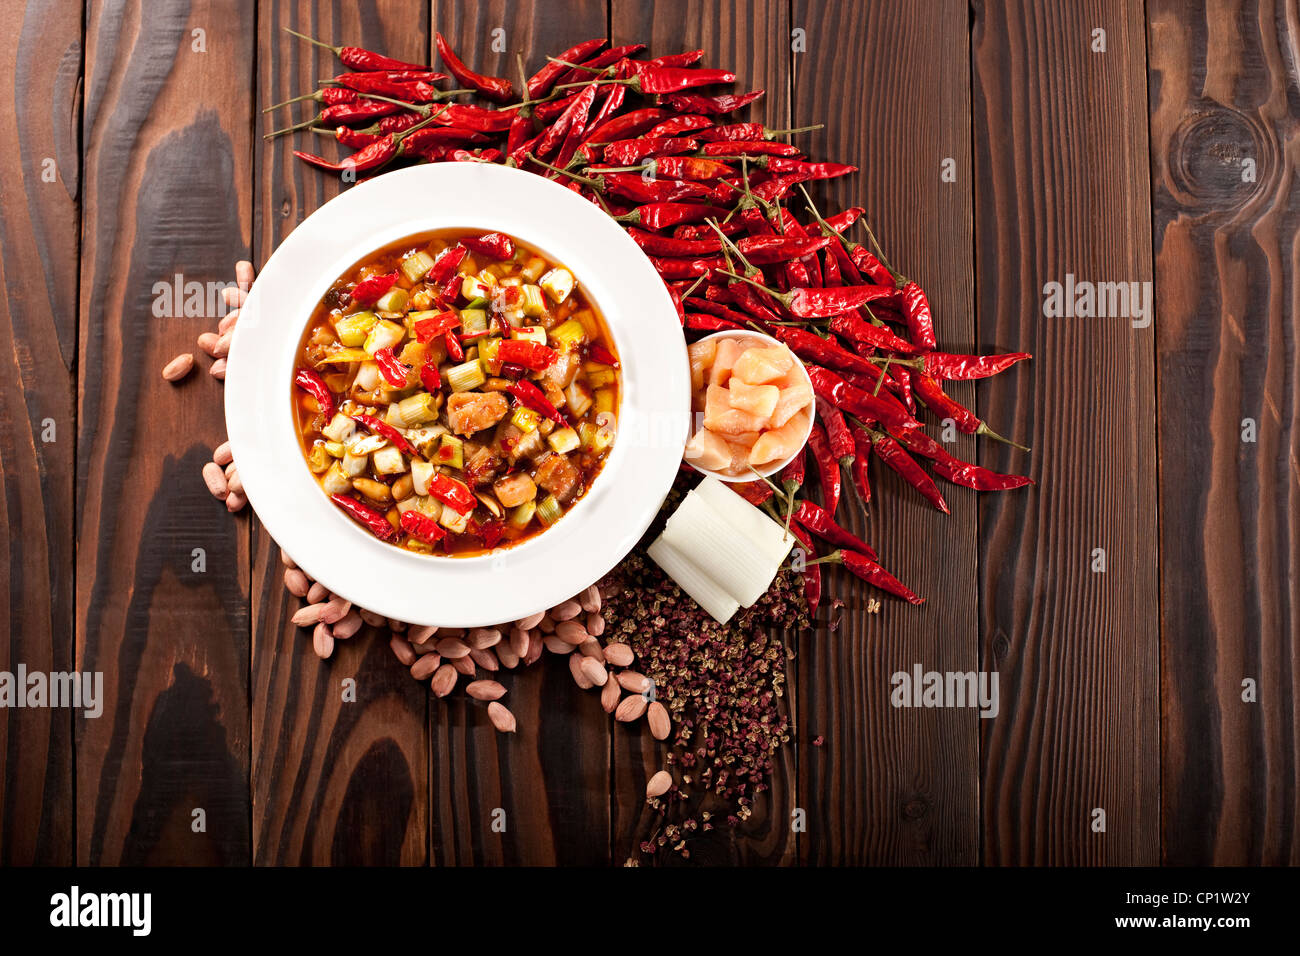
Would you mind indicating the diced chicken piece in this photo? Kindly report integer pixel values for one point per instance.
(720, 417)
(760, 366)
(758, 400)
(793, 399)
(739, 464)
(701, 355)
(724, 358)
(514, 490)
(558, 476)
(481, 466)
(471, 412)
(780, 442)
(709, 451)
(560, 373)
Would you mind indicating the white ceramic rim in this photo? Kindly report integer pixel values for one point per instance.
(766, 471)
(600, 528)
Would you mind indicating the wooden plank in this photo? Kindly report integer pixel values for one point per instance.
(326, 770)
(1222, 115)
(893, 786)
(551, 779)
(1062, 189)
(40, 75)
(166, 158)
(751, 38)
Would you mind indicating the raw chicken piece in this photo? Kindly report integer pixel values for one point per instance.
(470, 412)
(759, 366)
(723, 359)
(707, 450)
(758, 400)
(794, 398)
(739, 464)
(780, 442)
(720, 417)
(701, 355)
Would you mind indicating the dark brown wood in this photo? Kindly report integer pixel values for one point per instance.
(750, 38)
(40, 75)
(166, 168)
(541, 796)
(333, 781)
(1223, 94)
(895, 786)
(1061, 174)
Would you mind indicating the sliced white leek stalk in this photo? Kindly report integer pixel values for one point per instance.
(739, 565)
(694, 581)
(766, 534)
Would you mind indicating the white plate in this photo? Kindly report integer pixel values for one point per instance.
(600, 528)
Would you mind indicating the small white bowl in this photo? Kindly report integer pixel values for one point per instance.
(596, 532)
(775, 467)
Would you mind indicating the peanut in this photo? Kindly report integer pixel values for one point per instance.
(660, 723)
(485, 690)
(179, 367)
(501, 718)
(215, 479)
(620, 655)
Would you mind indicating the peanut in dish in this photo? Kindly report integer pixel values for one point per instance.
(456, 392)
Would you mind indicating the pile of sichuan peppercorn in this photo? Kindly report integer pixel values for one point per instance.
(720, 207)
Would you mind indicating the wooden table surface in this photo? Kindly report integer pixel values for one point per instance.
(1003, 146)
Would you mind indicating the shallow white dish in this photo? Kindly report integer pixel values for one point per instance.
(600, 528)
(773, 467)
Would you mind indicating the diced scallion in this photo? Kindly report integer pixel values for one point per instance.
(340, 428)
(335, 482)
(416, 265)
(530, 333)
(421, 475)
(578, 397)
(531, 301)
(558, 284)
(417, 409)
(352, 329)
(466, 377)
(473, 321)
(522, 514)
(389, 461)
(394, 300)
(487, 355)
(549, 510)
(451, 452)
(563, 440)
(569, 334)
(533, 268)
(605, 400)
(525, 419)
(385, 335)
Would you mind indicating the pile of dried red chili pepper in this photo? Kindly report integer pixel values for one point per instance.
(706, 198)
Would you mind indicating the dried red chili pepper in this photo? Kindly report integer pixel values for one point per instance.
(710, 105)
(851, 326)
(371, 289)
(889, 451)
(394, 372)
(838, 437)
(823, 303)
(950, 367)
(692, 168)
(814, 348)
(755, 492)
(311, 383)
(710, 323)
(444, 267)
(750, 148)
(748, 132)
(421, 527)
(664, 215)
(828, 471)
(377, 154)
(555, 133)
(973, 476)
(916, 309)
(770, 250)
(531, 355)
(689, 58)
(358, 58)
(861, 476)
(845, 218)
(687, 268)
(341, 113)
(593, 66)
(496, 88)
(598, 353)
(375, 521)
(818, 520)
(429, 377)
(495, 244)
(540, 83)
(426, 330)
(625, 152)
(868, 570)
(452, 493)
(629, 124)
(856, 401)
(491, 531)
(383, 430)
(812, 573)
(944, 406)
(386, 84)
(652, 79)
(329, 95)
(530, 396)
(721, 311)
(676, 125)
(455, 351)
(657, 245)
(792, 474)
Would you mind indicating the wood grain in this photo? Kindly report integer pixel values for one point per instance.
(892, 786)
(750, 38)
(1224, 131)
(333, 781)
(40, 76)
(167, 160)
(1061, 178)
